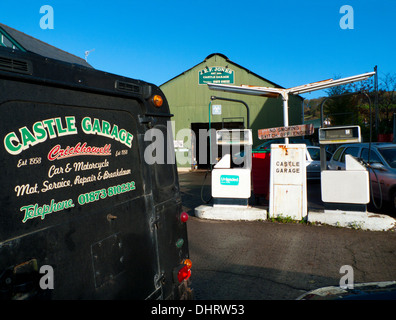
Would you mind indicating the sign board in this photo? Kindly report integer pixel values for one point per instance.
(216, 109)
(231, 183)
(178, 143)
(286, 132)
(334, 135)
(229, 180)
(80, 167)
(217, 75)
(288, 189)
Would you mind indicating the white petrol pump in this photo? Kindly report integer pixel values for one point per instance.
(349, 187)
(231, 185)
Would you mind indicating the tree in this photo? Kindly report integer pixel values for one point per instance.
(339, 109)
(348, 106)
(387, 101)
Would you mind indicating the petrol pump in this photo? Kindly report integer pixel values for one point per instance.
(231, 176)
(348, 189)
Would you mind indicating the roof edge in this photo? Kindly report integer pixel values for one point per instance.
(217, 54)
(83, 61)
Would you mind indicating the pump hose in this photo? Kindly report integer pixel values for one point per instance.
(371, 189)
(210, 159)
(202, 188)
(368, 161)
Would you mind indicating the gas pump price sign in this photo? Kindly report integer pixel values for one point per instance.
(234, 136)
(334, 135)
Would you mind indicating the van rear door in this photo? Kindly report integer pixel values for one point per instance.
(76, 202)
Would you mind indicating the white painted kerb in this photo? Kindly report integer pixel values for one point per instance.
(230, 213)
(353, 219)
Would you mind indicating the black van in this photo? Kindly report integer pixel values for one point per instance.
(83, 214)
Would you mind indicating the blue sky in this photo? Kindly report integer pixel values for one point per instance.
(288, 42)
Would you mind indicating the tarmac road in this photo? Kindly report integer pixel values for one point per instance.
(264, 260)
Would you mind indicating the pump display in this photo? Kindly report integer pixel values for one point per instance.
(345, 134)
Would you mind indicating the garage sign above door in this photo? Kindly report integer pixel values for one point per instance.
(217, 75)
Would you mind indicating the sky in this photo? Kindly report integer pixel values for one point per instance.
(287, 42)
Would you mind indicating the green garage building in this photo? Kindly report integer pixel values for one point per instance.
(189, 98)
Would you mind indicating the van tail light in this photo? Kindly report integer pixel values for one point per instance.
(183, 274)
(188, 263)
(157, 101)
(184, 217)
(183, 271)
